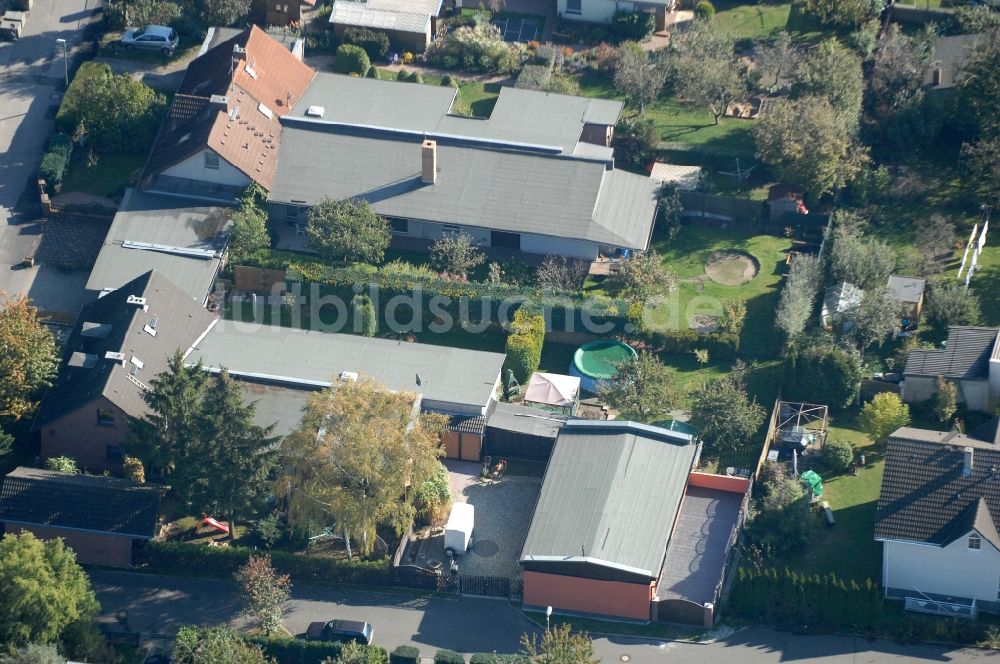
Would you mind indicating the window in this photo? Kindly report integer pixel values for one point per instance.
(450, 228)
(115, 453)
(292, 213)
(400, 226)
(212, 161)
(505, 240)
(105, 418)
(574, 6)
(975, 542)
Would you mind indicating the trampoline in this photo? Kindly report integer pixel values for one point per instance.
(596, 362)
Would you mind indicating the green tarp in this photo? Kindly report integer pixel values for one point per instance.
(813, 481)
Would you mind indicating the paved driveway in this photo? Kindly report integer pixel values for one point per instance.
(31, 83)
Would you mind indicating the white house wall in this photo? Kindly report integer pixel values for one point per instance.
(595, 11)
(193, 168)
(540, 244)
(976, 394)
(954, 570)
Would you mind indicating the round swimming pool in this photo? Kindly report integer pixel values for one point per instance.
(596, 361)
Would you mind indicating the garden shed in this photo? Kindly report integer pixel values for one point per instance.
(519, 431)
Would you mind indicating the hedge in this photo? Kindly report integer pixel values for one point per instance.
(496, 658)
(374, 42)
(704, 9)
(404, 655)
(720, 345)
(632, 26)
(533, 77)
(351, 59)
(183, 558)
(524, 344)
(55, 160)
(445, 656)
(296, 651)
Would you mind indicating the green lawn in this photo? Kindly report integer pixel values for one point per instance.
(108, 177)
(748, 19)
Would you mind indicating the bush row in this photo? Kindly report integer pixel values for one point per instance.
(55, 160)
(524, 344)
(182, 558)
(296, 651)
(720, 345)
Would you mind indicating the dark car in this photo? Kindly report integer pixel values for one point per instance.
(344, 631)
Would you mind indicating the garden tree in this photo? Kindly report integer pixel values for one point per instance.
(897, 75)
(642, 389)
(350, 462)
(119, 114)
(347, 230)
(810, 143)
(945, 399)
(981, 165)
(222, 13)
(705, 69)
(635, 141)
(823, 373)
(882, 415)
(433, 496)
(28, 357)
(776, 57)
(264, 592)
(832, 71)
(214, 645)
(638, 76)
(798, 297)
(133, 469)
(862, 261)
(948, 304)
(559, 645)
(781, 518)
(734, 313)
(971, 19)
(701, 356)
(846, 14)
(44, 590)
(935, 240)
(249, 223)
(876, 320)
(864, 40)
(641, 277)
(980, 88)
(456, 254)
(838, 454)
(561, 273)
(34, 653)
(62, 464)
(725, 415)
(669, 209)
(364, 317)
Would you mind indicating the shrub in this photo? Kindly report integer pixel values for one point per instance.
(415, 77)
(632, 26)
(55, 160)
(524, 344)
(533, 77)
(548, 55)
(475, 48)
(824, 375)
(351, 59)
(497, 658)
(373, 73)
(375, 43)
(838, 454)
(404, 655)
(704, 10)
(445, 656)
(68, 115)
(449, 81)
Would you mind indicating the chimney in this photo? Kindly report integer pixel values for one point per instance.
(428, 162)
(219, 103)
(967, 461)
(239, 53)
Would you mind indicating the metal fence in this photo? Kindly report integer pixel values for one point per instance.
(459, 584)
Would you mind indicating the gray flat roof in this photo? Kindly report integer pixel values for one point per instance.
(273, 404)
(524, 419)
(151, 232)
(610, 495)
(500, 189)
(452, 379)
(699, 545)
(906, 289)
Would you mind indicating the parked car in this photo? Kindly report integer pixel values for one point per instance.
(344, 631)
(151, 38)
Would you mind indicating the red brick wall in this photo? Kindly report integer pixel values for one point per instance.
(572, 593)
(90, 548)
(78, 435)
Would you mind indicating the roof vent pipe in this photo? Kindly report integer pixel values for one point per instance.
(428, 162)
(967, 461)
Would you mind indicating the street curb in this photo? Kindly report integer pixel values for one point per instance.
(654, 639)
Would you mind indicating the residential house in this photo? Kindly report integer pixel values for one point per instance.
(603, 11)
(411, 25)
(222, 131)
(938, 519)
(970, 358)
(105, 520)
(951, 54)
(537, 176)
(840, 302)
(626, 528)
(182, 239)
(909, 292)
(119, 344)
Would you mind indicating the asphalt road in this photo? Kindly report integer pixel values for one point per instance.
(157, 605)
(31, 85)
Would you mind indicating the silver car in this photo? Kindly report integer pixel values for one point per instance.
(151, 38)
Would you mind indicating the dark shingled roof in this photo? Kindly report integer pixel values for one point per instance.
(926, 498)
(81, 502)
(467, 424)
(523, 419)
(178, 321)
(966, 355)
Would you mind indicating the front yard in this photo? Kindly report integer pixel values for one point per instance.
(108, 177)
